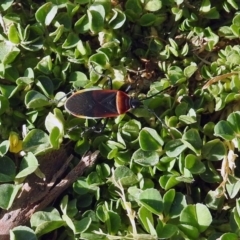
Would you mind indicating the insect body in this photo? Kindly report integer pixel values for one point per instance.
(97, 103)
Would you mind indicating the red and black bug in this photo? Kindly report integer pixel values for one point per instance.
(97, 103)
(102, 103)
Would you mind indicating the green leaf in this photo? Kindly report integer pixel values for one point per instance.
(151, 200)
(4, 104)
(147, 19)
(125, 176)
(193, 138)
(34, 99)
(22, 233)
(55, 120)
(46, 85)
(194, 165)
(8, 193)
(145, 217)
(152, 5)
(145, 158)
(149, 140)
(96, 16)
(233, 186)
(83, 224)
(46, 221)
(99, 59)
(13, 35)
(46, 13)
(8, 169)
(5, 4)
(214, 150)
(45, 65)
(82, 25)
(234, 119)
(197, 216)
(224, 130)
(168, 181)
(29, 164)
(36, 141)
(166, 231)
(190, 70)
(4, 146)
(205, 6)
(71, 41)
(174, 148)
(113, 222)
(81, 187)
(78, 79)
(134, 5)
(8, 53)
(117, 20)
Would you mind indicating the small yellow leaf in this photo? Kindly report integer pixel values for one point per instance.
(15, 143)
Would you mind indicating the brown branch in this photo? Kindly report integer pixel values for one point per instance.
(36, 194)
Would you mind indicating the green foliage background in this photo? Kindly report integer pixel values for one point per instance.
(151, 181)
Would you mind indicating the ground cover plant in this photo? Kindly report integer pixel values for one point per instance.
(139, 178)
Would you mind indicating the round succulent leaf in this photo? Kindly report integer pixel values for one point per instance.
(8, 193)
(36, 141)
(194, 165)
(214, 150)
(4, 5)
(81, 187)
(7, 170)
(189, 231)
(46, 85)
(168, 181)
(82, 225)
(233, 186)
(145, 158)
(52, 121)
(82, 25)
(99, 59)
(28, 165)
(46, 13)
(4, 146)
(13, 34)
(149, 140)
(117, 20)
(4, 104)
(71, 41)
(197, 216)
(210, 175)
(46, 221)
(151, 200)
(147, 19)
(113, 222)
(146, 218)
(134, 5)
(234, 120)
(193, 138)
(214, 200)
(55, 138)
(34, 99)
(166, 231)
(22, 233)
(125, 176)
(224, 130)
(152, 5)
(174, 148)
(96, 17)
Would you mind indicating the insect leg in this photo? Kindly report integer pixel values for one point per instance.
(97, 128)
